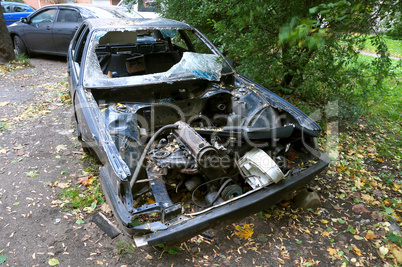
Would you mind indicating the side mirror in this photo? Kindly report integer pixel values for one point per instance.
(24, 20)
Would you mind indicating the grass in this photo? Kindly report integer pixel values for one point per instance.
(394, 47)
(19, 62)
(78, 198)
(22, 59)
(123, 247)
(383, 108)
(87, 196)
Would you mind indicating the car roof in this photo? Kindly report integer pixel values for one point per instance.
(16, 3)
(87, 10)
(87, 6)
(135, 23)
(80, 6)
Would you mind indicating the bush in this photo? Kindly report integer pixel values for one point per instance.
(396, 31)
(296, 48)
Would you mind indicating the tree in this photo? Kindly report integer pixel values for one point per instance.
(302, 47)
(6, 45)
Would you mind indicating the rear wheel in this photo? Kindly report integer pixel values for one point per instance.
(87, 149)
(20, 46)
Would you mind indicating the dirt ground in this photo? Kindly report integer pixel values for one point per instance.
(38, 151)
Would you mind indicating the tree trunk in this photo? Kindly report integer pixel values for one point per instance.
(6, 44)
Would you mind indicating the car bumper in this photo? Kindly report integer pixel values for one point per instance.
(222, 215)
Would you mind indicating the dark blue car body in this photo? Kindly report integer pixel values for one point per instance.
(164, 115)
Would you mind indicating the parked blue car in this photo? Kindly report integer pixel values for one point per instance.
(15, 11)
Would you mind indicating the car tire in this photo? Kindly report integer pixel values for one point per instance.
(89, 151)
(19, 45)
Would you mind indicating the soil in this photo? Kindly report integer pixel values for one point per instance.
(39, 151)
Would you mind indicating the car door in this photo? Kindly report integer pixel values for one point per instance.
(81, 108)
(68, 20)
(39, 32)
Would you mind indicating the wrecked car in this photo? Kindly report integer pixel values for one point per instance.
(186, 143)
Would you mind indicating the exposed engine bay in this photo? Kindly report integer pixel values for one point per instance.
(212, 147)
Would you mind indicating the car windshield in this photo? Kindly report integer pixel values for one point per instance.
(147, 56)
(106, 12)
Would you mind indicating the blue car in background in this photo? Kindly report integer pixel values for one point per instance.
(15, 11)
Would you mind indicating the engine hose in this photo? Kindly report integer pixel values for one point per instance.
(145, 152)
(229, 179)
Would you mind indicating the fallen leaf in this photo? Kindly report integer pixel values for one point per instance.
(332, 251)
(3, 258)
(18, 147)
(63, 185)
(105, 208)
(61, 147)
(396, 186)
(31, 174)
(325, 233)
(357, 251)
(398, 219)
(384, 251)
(150, 201)
(84, 180)
(357, 237)
(53, 262)
(244, 232)
(367, 197)
(370, 236)
(397, 252)
(359, 208)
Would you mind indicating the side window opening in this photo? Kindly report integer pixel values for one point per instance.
(20, 8)
(80, 44)
(6, 8)
(45, 16)
(69, 15)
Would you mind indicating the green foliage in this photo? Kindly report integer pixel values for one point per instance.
(4, 126)
(301, 48)
(77, 198)
(169, 250)
(396, 31)
(3, 257)
(23, 60)
(123, 247)
(394, 47)
(394, 237)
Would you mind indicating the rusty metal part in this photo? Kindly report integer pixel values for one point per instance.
(206, 155)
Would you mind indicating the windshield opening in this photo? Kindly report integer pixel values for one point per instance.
(144, 56)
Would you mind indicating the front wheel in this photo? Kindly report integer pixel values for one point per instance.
(20, 46)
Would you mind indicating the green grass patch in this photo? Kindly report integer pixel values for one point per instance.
(4, 126)
(87, 197)
(394, 47)
(123, 247)
(22, 59)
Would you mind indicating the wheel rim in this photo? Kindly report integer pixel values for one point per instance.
(17, 45)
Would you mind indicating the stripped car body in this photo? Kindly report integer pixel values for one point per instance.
(186, 143)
